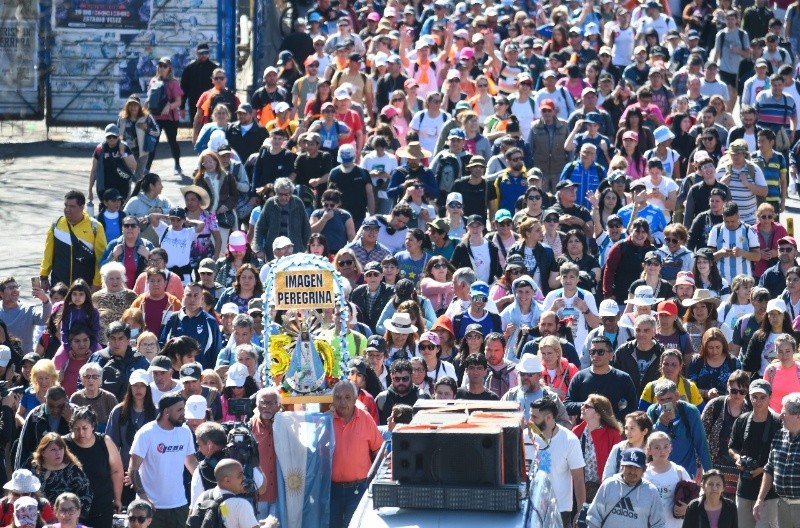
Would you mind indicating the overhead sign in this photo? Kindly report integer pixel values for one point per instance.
(102, 14)
(303, 290)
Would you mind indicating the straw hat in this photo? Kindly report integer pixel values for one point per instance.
(413, 151)
(701, 295)
(205, 200)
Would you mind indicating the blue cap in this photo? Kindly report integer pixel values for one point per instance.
(502, 214)
(479, 288)
(594, 117)
(457, 133)
(370, 222)
(634, 457)
(314, 17)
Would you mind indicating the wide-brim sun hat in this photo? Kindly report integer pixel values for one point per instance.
(701, 295)
(205, 200)
(400, 323)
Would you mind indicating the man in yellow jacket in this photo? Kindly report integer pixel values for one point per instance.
(75, 242)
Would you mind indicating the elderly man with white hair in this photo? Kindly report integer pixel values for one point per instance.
(283, 215)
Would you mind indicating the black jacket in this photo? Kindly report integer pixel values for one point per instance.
(246, 144)
(387, 399)
(35, 427)
(359, 298)
(696, 514)
(117, 371)
(545, 262)
(625, 361)
(462, 258)
(196, 79)
(385, 86)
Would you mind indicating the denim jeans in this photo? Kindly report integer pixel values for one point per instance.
(344, 501)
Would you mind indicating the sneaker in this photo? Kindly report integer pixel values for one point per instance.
(178, 170)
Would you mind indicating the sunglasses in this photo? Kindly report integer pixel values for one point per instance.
(454, 205)
(535, 197)
(218, 78)
(401, 379)
(766, 217)
(345, 262)
(671, 240)
(740, 392)
(482, 85)
(708, 138)
(515, 159)
(480, 298)
(130, 226)
(614, 225)
(597, 352)
(141, 519)
(440, 265)
(427, 347)
(505, 223)
(514, 271)
(551, 220)
(398, 100)
(785, 249)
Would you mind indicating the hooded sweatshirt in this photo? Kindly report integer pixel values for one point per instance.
(641, 509)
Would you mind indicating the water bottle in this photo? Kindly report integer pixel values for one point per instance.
(90, 208)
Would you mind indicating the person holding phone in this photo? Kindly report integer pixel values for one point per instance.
(21, 318)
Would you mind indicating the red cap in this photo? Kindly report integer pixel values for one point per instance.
(788, 240)
(547, 103)
(667, 307)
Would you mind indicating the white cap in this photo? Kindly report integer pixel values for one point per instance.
(341, 93)
(229, 308)
(608, 308)
(281, 107)
(139, 376)
(196, 407)
(281, 242)
(530, 364)
(454, 197)
(380, 59)
(777, 305)
(5, 355)
(237, 374)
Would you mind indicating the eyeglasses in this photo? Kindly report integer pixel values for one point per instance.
(653, 263)
(785, 249)
(91, 376)
(454, 205)
(740, 392)
(515, 159)
(597, 352)
(671, 240)
(401, 379)
(440, 265)
(141, 519)
(535, 197)
(130, 226)
(427, 347)
(345, 262)
(480, 298)
(417, 369)
(766, 217)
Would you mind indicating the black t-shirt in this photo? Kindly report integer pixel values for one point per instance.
(475, 196)
(352, 185)
(753, 447)
(465, 394)
(575, 210)
(307, 168)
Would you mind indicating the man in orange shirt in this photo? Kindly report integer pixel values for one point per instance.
(357, 440)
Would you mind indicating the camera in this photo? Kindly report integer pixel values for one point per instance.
(749, 464)
(241, 407)
(5, 389)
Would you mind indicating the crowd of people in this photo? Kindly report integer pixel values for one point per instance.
(550, 204)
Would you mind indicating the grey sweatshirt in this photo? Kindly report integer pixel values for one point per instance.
(641, 509)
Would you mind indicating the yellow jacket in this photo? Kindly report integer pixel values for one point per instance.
(64, 263)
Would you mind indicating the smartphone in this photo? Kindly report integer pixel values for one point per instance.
(668, 407)
(36, 282)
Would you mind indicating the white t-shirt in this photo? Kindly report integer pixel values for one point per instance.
(665, 186)
(445, 369)
(666, 483)
(734, 313)
(558, 460)
(163, 453)
(197, 488)
(157, 394)
(177, 244)
(428, 128)
(579, 329)
(481, 258)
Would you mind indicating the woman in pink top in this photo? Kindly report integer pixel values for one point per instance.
(437, 283)
(783, 374)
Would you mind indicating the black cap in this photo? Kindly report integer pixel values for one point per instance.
(652, 255)
(191, 371)
(359, 364)
(474, 327)
(377, 342)
(33, 357)
(373, 266)
(475, 218)
(563, 184)
(168, 401)
(355, 57)
(178, 212)
(111, 194)
(202, 47)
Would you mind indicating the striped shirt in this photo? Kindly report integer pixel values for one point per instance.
(742, 237)
(773, 170)
(739, 193)
(774, 112)
(783, 456)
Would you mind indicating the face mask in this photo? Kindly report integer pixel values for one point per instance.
(135, 332)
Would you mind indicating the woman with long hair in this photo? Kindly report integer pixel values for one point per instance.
(761, 350)
(534, 206)
(471, 343)
(318, 245)
(538, 258)
(78, 309)
(246, 286)
(348, 265)
(145, 200)
(637, 429)
(323, 94)
(180, 350)
(238, 384)
(43, 376)
(558, 371)
(712, 366)
(59, 470)
(737, 305)
(208, 242)
(671, 367)
(786, 367)
(651, 276)
(500, 292)
(707, 276)
(401, 336)
(135, 410)
(720, 413)
(682, 143)
(495, 125)
(139, 130)
(221, 188)
(482, 102)
(604, 204)
(558, 40)
(429, 349)
(599, 431)
(577, 252)
(701, 315)
(437, 283)
(637, 165)
(724, 118)
(419, 376)
(709, 142)
(634, 122)
(414, 258)
(666, 475)
(443, 327)
(169, 116)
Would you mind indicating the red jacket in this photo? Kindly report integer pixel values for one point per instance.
(566, 371)
(604, 439)
(369, 404)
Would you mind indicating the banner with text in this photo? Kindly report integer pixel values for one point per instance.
(19, 45)
(304, 290)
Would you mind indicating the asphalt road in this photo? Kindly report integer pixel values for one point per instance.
(35, 175)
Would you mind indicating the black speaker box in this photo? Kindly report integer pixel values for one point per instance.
(513, 444)
(457, 455)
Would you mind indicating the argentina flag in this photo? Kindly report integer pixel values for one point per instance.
(304, 447)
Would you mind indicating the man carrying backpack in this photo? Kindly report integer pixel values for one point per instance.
(219, 94)
(220, 506)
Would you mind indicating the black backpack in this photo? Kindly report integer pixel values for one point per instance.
(225, 97)
(207, 514)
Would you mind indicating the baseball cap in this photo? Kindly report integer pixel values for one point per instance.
(178, 212)
(281, 242)
(139, 376)
(760, 386)
(237, 374)
(373, 267)
(237, 241)
(5, 355)
(160, 364)
(634, 457)
(196, 407)
(502, 214)
(788, 240)
(563, 184)
(475, 219)
(431, 337)
(207, 265)
(667, 307)
(457, 133)
(168, 400)
(191, 371)
(479, 288)
(376, 342)
(112, 130)
(255, 305)
(357, 364)
(229, 308)
(440, 224)
(608, 308)
(455, 197)
(370, 221)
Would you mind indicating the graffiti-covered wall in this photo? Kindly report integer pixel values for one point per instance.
(105, 50)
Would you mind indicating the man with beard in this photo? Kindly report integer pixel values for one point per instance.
(266, 97)
(560, 456)
(401, 390)
(774, 279)
(475, 367)
(245, 136)
(548, 325)
(196, 79)
(159, 452)
(529, 372)
(640, 357)
(602, 378)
